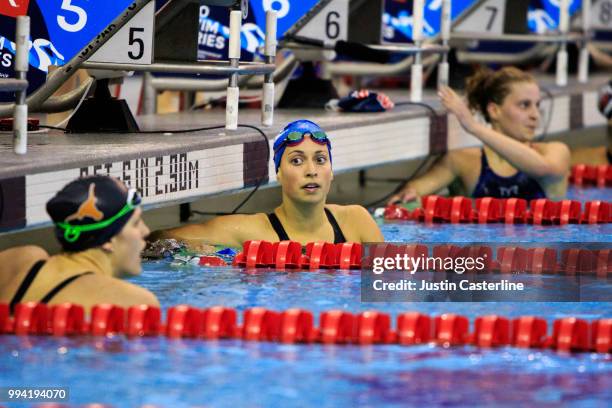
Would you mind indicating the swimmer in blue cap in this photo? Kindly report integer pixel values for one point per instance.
(510, 163)
(303, 164)
(98, 224)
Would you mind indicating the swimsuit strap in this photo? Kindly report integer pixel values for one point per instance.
(61, 286)
(278, 227)
(484, 172)
(338, 235)
(282, 234)
(26, 283)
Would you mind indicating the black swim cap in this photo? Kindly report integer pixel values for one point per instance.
(89, 211)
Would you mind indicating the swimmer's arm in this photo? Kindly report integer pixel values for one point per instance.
(553, 162)
(227, 230)
(439, 176)
(368, 229)
(600, 58)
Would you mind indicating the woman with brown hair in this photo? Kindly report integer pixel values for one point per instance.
(98, 223)
(509, 164)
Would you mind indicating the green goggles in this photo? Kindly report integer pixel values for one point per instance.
(295, 138)
(73, 232)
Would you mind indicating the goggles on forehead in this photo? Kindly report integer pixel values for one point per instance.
(295, 138)
(73, 232)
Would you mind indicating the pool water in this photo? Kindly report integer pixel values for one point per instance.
(231, 373)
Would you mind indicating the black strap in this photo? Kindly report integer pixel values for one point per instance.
(26, 283)
(278, 227)
(282, 234)
(338, 235)
(61, 286)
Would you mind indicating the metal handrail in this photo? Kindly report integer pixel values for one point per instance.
(13, 85)
(195, 85)
(537, 51)
(58, 77)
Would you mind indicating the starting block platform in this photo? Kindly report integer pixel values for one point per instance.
(170, 168)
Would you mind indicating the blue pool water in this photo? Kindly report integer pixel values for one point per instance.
(185, 373)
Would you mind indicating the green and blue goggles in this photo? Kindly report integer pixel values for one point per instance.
(294, 138)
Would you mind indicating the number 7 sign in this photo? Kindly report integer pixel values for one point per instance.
(14, 8)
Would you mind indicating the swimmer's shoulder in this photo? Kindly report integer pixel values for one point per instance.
(93, 289)
(14, 259)
(356, 222)
(15, 264)
(344, 213)
(464, 157)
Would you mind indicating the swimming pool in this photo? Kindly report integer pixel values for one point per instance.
(182, 373)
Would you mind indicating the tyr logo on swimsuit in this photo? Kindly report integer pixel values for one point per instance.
(14, 8)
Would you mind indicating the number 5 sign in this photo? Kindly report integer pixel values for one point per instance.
(133, 44)
(14, 8)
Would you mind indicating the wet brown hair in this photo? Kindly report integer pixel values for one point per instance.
(487, 86)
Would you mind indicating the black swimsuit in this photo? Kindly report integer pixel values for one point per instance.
(27, 282)
(282, 234)
(520, 185)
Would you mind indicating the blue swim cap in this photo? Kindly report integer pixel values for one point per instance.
(302, 127)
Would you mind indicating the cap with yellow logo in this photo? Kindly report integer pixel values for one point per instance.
(89, 211)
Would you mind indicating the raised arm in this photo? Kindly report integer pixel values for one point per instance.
(550, 162)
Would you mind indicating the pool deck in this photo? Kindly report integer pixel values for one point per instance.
(173, 168)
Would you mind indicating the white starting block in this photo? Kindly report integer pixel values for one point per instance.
(314, 37)
(129, 43)
(506, 20)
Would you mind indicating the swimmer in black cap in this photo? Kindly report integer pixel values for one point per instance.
(98, 223)
(303, 163)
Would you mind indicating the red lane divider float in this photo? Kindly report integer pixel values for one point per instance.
(435, 209)
(569, 334)
(529, 332)
(289, 255)
(491, 331)
(585, 175)
(508, 259)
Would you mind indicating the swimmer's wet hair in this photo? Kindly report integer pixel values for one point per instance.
(487, 86)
